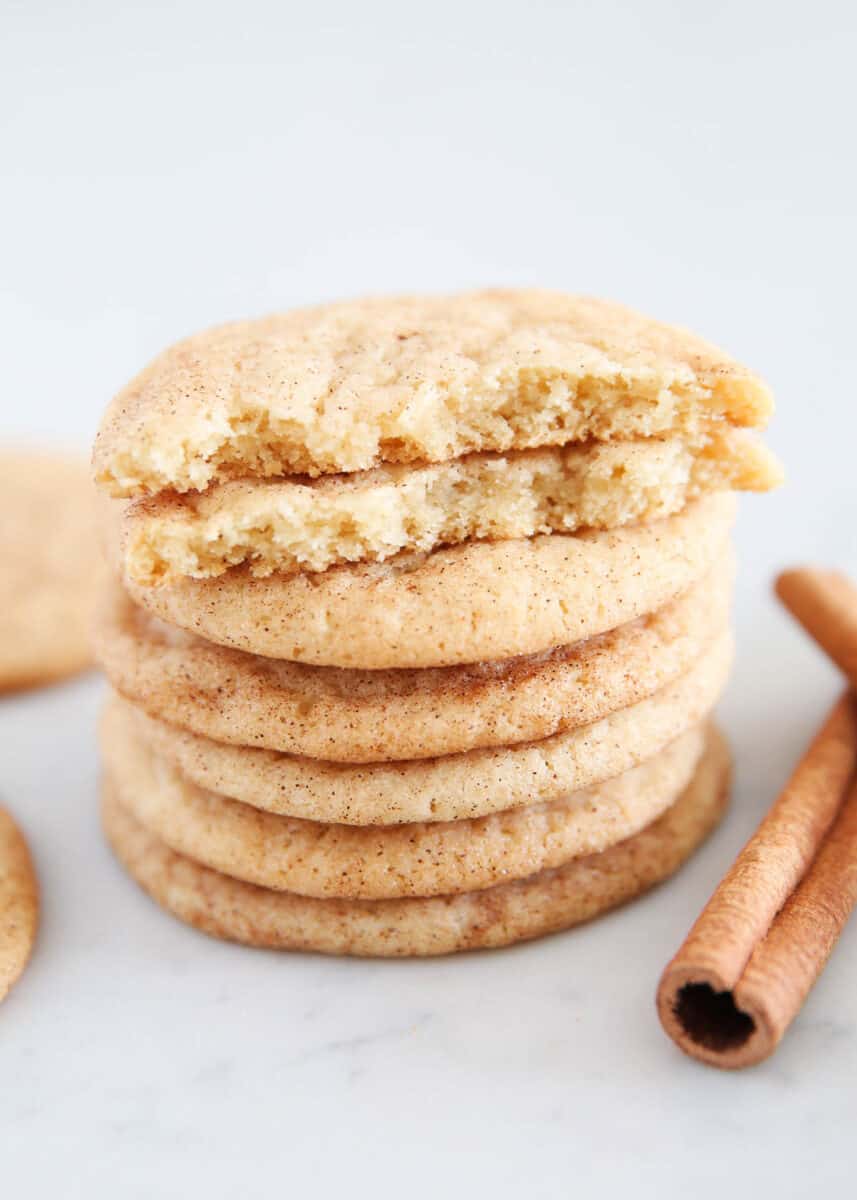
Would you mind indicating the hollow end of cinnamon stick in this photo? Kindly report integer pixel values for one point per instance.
(710, 1021)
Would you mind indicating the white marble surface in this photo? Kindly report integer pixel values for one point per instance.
(168, 166)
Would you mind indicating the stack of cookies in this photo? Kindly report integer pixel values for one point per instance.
(419, 608)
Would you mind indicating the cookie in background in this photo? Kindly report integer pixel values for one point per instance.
(50, 567)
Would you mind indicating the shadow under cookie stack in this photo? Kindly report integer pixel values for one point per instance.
(419, 610)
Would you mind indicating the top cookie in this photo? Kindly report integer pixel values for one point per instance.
(346, 387)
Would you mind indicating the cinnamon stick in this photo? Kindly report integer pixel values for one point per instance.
(825, 603)
(747, 964)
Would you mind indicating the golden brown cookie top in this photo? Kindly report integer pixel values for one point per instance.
(347, 386)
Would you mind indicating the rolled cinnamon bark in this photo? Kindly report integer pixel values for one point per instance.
(825, 603)
(747, 964)
(19, 903)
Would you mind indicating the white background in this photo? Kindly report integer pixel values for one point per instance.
(168, 165)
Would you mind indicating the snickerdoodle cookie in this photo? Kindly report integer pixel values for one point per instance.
(470, 603)
(345, 387)
(364, 716)
(451, 787)
(48, 568)
(293, 524)
(370, 862)
(497, 916)
(19, 903)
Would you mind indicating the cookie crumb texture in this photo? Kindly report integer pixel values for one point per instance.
(475, 602)
(346, 387)
(289, 525)
(416, 859)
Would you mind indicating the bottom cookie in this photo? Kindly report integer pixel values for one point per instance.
(497, 916)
